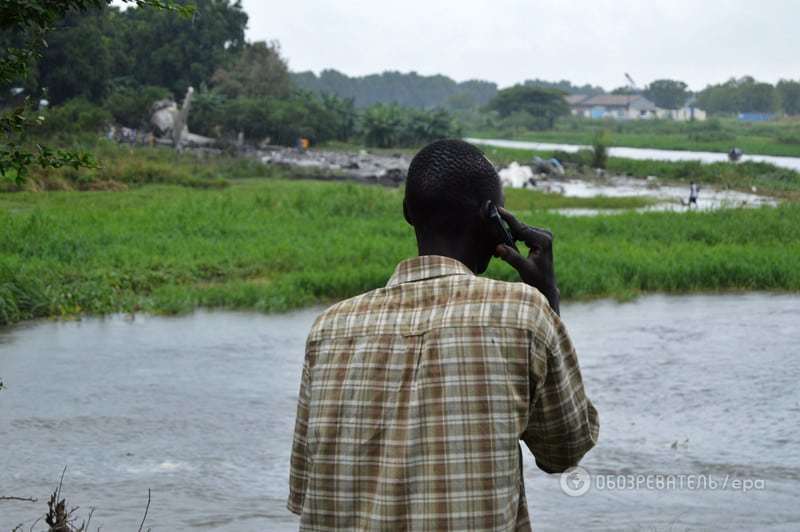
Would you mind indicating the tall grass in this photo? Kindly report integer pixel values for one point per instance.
(121, 167)
(272, 245)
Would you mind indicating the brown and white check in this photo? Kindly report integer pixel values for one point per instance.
(414, 398)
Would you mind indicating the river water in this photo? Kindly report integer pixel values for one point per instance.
(642, 153)
(200, 409)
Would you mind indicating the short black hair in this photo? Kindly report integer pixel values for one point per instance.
(447, 183)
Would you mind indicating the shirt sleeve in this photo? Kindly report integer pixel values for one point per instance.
(298, 474)
(563, 424)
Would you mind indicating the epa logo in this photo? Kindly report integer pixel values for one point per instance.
(575, 481)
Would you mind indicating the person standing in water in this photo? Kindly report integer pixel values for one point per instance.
(694, 192)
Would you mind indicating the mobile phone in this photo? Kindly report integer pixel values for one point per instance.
(501, 229)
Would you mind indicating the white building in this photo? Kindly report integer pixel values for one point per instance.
(627, 107)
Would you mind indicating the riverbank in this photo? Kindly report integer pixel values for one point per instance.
(779, 138)
(276, 244)
(763, 178)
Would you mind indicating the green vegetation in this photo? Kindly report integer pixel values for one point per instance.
(599, 150)
(407, 90)
(104, 66)
(26, 26)
(386, 126)
(274, 244)
(716, 135)
(529, 107)
(747, 95)
(667, 93)
(119, 168)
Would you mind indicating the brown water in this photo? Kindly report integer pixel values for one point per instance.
(200, 409)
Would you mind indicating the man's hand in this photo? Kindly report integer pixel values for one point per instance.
(536, 270)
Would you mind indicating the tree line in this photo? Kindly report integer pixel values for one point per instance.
(103, 64)
(405, 89)
(746, 95)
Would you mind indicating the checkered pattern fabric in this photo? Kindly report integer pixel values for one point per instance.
(414, 398)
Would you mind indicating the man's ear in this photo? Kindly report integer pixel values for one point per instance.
(405, 213)
(484, 212)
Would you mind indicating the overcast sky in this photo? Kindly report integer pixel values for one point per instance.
(507, 41)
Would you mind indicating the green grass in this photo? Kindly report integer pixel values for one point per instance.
(273, 244)
(121, 167)
(716, 135)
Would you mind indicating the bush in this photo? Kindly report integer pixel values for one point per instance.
(789, 138)
(391, 126)
(130, 106)
(282, 120)
(74, 117)
(711, 136)
(600, 149)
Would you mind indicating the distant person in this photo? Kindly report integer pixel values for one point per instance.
(414, 396)
(694, 192)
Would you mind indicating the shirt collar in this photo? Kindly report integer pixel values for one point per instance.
(426, 267)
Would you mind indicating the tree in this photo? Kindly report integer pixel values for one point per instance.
(405, 89)
(77, 61)
(545, 104)
(175, 52)
(130, 105)
(624, 91)
(789, 94)
(758, 97)
(259, 71)
(720, 98)
(389, 126)
(565, 86)
(739, 95)
(343, 115)
(28, 21)
(667, 93)
(381, 125)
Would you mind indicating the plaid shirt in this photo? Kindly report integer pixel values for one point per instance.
(414, 397)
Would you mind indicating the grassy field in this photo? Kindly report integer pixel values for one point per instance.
(716, 135)
(274, 244)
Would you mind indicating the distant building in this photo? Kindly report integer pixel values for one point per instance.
(573, 100)
(628, 107)
(618, 106)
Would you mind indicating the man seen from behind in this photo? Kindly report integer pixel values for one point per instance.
(414, 397)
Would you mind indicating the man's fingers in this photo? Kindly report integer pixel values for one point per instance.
(511, 256)
(532, 236)
(517, 227)
(541, 238)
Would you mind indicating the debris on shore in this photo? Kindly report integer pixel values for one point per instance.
(364, 167)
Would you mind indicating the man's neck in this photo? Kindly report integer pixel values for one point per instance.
(454, 248)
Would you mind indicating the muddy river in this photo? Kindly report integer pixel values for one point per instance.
(692, 391)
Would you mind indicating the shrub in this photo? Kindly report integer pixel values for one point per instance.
(600, 149)
(74, 117)
(130, 106)
(390, 126)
